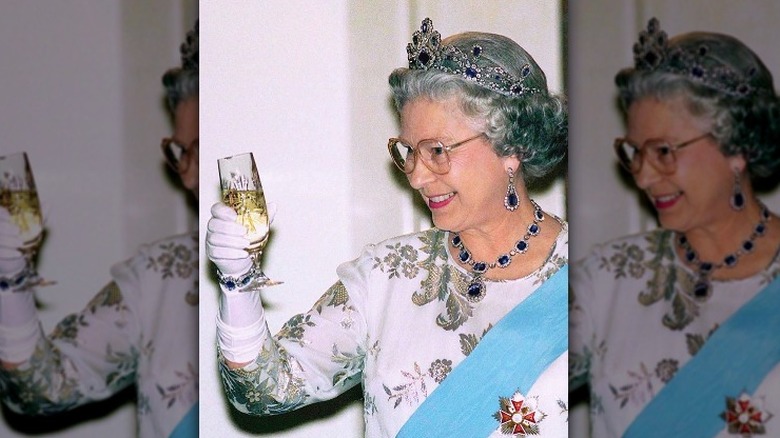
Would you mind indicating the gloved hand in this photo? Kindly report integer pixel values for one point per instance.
(12, 261)
(226, 240)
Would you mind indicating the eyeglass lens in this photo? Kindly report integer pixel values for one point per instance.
(431, 152)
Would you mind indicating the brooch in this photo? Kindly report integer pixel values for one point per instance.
(518, 416)
(744, 416)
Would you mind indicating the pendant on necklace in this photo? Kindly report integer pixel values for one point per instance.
(702, 289)
(476, 290)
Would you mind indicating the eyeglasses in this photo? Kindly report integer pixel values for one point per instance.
(174, 151)
(660, 153)
(433, 154)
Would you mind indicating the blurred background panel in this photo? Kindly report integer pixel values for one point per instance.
(604, 204)
(80, 92)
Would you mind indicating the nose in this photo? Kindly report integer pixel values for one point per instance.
(188, 157)
(646, 176)
(420, 175)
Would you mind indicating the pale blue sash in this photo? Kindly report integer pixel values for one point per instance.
(736, 358)
(188, 426)
(510, 357)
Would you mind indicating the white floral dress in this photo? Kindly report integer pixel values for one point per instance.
(634, 322)
(142, 329)
(398, 322)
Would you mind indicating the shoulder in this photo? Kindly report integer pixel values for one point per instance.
(399, 256)
(628, 245)
(180, 246)
(416, 241)
(171, 257)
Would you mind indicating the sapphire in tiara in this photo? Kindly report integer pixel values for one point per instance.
(476, 51)
(471, 72)
(525, 71)
(424, 58)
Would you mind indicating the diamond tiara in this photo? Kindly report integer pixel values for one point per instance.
(427, 52)
(652, 52)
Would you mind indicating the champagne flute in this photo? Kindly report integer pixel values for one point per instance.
(242, 191)
(19, 196)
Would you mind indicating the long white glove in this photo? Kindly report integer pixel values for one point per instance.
(18, 319)
(241, 319)
(12, 260)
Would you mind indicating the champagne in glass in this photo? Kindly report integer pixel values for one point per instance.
(19, 197)
(242, 191)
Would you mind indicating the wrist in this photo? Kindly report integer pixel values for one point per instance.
(19, 281)
(231, 283)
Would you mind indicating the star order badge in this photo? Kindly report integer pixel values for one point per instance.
(518, 416)
(745, 416)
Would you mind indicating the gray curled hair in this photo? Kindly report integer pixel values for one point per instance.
(532, 126)
(181, 83)
(745, 122)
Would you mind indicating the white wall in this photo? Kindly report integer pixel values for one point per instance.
(601, 35)
(80, 91)
(303, 85)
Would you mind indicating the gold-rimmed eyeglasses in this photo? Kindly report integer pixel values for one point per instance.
(174, 151)
(658, 152)
(433, 153)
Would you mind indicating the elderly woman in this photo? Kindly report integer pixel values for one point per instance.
(459, 330)
(140, 329)
(676, 329)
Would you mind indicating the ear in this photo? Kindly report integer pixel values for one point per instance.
(737, 163)
(511, 161)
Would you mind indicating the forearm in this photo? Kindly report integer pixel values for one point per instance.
(88, 356)
(315, 356)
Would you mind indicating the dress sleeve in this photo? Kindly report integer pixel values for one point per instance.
(316, 355)
(581, 327)
(88, 356)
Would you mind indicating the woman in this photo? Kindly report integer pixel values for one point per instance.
(476, 121)
(656, 317)
(140, 329)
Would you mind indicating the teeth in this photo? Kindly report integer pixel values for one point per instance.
(442, 197)
(667, 198)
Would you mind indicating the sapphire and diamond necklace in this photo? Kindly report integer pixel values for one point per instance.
(476, 288)
(702, 288)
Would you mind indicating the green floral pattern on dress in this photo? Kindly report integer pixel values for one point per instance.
(669, 281)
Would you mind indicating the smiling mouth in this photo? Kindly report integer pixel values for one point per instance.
(666, 201)
(440, 200)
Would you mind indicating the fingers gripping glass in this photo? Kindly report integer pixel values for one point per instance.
(174, 151)
(433, 154)
(660, 153)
